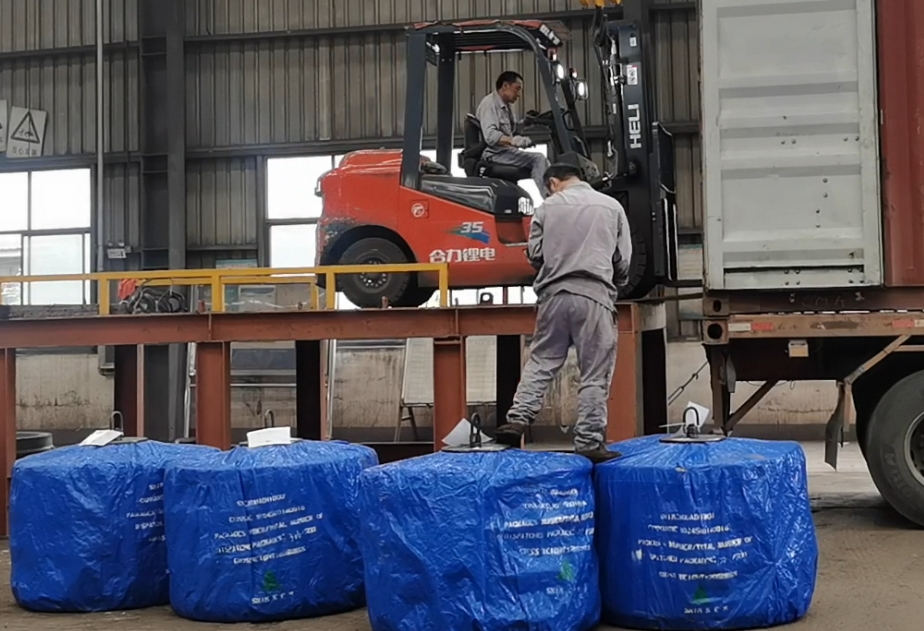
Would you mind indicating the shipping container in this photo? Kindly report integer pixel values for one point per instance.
(813, 157)
(790, 144)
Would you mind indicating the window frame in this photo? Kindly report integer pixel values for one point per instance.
(87, 262)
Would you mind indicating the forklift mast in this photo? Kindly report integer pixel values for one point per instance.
(639, 152)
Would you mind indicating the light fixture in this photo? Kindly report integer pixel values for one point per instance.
(559, 71)
(580, 89)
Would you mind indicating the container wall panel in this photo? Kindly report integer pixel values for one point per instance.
(790, 128)
(221, 202)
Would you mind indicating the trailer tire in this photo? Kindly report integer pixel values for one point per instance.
(895, 447)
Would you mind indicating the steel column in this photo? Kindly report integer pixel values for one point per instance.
(163, 168)
(450, 392)
(509, 364)
(624, 410)
(654, 382)
(8, 431)
(308, 391)
(128, 388)
(213, 394)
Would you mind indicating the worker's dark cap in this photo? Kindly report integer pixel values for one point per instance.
(561, 171)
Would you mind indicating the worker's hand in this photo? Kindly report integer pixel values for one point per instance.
(522, 142)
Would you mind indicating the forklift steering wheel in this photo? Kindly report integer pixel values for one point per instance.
(535, 118)
(433, 168)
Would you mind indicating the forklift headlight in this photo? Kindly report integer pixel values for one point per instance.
(559, 71)
(580, 90)
(317, 188)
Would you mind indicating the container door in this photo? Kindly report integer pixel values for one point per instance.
(790, 144)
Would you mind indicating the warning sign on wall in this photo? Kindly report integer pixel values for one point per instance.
(26, 133)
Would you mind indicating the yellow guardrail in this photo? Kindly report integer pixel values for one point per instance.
(218, 279)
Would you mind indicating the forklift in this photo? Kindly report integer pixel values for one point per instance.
(394, 206)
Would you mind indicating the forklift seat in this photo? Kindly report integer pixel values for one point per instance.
(471, 158)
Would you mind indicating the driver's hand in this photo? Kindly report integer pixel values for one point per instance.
(522, 142)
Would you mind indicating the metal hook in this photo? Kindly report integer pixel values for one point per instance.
(112, 421)
(474, 432)
(691, 430)
(269, 419)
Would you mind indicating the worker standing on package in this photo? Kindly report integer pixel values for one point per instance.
(498, 126)
(581, 246)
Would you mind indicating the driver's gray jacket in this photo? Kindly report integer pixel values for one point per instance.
(580, 243)
(497, 120)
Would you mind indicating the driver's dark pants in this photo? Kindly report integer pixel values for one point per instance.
(564, 320)
(537, 163)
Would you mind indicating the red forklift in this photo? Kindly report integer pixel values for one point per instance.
(396, 206)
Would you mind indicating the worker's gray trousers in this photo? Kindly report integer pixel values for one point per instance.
(537, 163)
(566, 320)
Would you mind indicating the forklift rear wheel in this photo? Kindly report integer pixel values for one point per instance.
(895, 447)
(366, 291)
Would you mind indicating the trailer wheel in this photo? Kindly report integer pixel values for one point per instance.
(895, 447)
(367, 290)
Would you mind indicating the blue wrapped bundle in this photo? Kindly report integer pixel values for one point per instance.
(266, 534)
(500, 541)
(87, 529)
(705, 535)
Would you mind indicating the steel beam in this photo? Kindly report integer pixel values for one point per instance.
(308, 390)
(450, 390)
(267, 327)
(7, 430)
(128, 389)
(213, 394)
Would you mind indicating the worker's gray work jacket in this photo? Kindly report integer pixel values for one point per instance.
(580, 243)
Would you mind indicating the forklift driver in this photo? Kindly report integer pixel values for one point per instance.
(499, 129)
(580, 244)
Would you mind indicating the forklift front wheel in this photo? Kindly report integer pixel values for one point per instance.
(367, 290)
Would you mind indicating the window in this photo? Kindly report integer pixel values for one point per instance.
(293, 210)
(45, 229)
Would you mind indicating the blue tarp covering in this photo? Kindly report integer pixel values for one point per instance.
(480, 542)
(87, 530)
(705, 536)
(264, 534)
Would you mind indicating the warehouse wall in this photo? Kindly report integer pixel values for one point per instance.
(66, 394)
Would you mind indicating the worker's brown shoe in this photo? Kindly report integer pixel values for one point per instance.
(510, 434)
(599, 455)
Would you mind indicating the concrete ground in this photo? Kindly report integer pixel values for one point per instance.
(871, 574)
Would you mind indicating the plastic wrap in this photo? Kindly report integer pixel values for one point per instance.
(480, 541)
(86, 527)
(705, 536)
(266, 534)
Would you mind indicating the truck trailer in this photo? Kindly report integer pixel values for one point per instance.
(813, 159)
